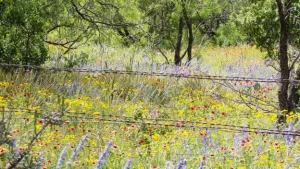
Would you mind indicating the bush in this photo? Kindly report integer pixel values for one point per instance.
(22, 32)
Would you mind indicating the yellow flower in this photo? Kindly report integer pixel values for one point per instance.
(96, 113)
(93, 142)
(103, 105)
(155, 137)
(144, 110)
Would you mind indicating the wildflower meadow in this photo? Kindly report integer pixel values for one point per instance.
(72, 119)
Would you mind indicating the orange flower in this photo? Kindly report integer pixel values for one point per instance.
(132, 126)
(16, 131)
(2, 151)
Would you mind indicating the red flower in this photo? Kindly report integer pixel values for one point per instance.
(223, 148)
(141, 141)
(223, 113)
(73, 128)
(248, 139)
(192, 108)
(202, 133)
(40, 121)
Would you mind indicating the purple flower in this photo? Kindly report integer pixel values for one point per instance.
(258, 150)
(77, 149)
(127, 166)
(236, 141)
(181, 163)
(61, 159)
(103, 157)
(244, 132)
(202, 163)
(204, 145)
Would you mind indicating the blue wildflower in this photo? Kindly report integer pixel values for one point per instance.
(104, 155)
(127, 166)
(61, 159)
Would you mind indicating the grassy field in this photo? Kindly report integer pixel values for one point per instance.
(157, 122)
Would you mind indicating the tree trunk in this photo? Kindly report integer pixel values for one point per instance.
(191, 36)
(283, 12)
(177, 58)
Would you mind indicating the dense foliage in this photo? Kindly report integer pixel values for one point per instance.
(28, 27)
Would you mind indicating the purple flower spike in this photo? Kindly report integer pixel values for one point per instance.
(181, 163)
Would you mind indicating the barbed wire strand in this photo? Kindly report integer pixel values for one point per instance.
(213, 127)
(228, 128)
(131, 118)
(289, 133)
(127, 72)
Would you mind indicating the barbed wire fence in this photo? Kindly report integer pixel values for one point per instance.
(160, 122)
(160, 74)
(176, 75)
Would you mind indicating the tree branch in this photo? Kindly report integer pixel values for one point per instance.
(89, 19)
(58, 26)
(164, 56)
(60, 44)
(294, 62)
(72, 42)
(183, 55)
